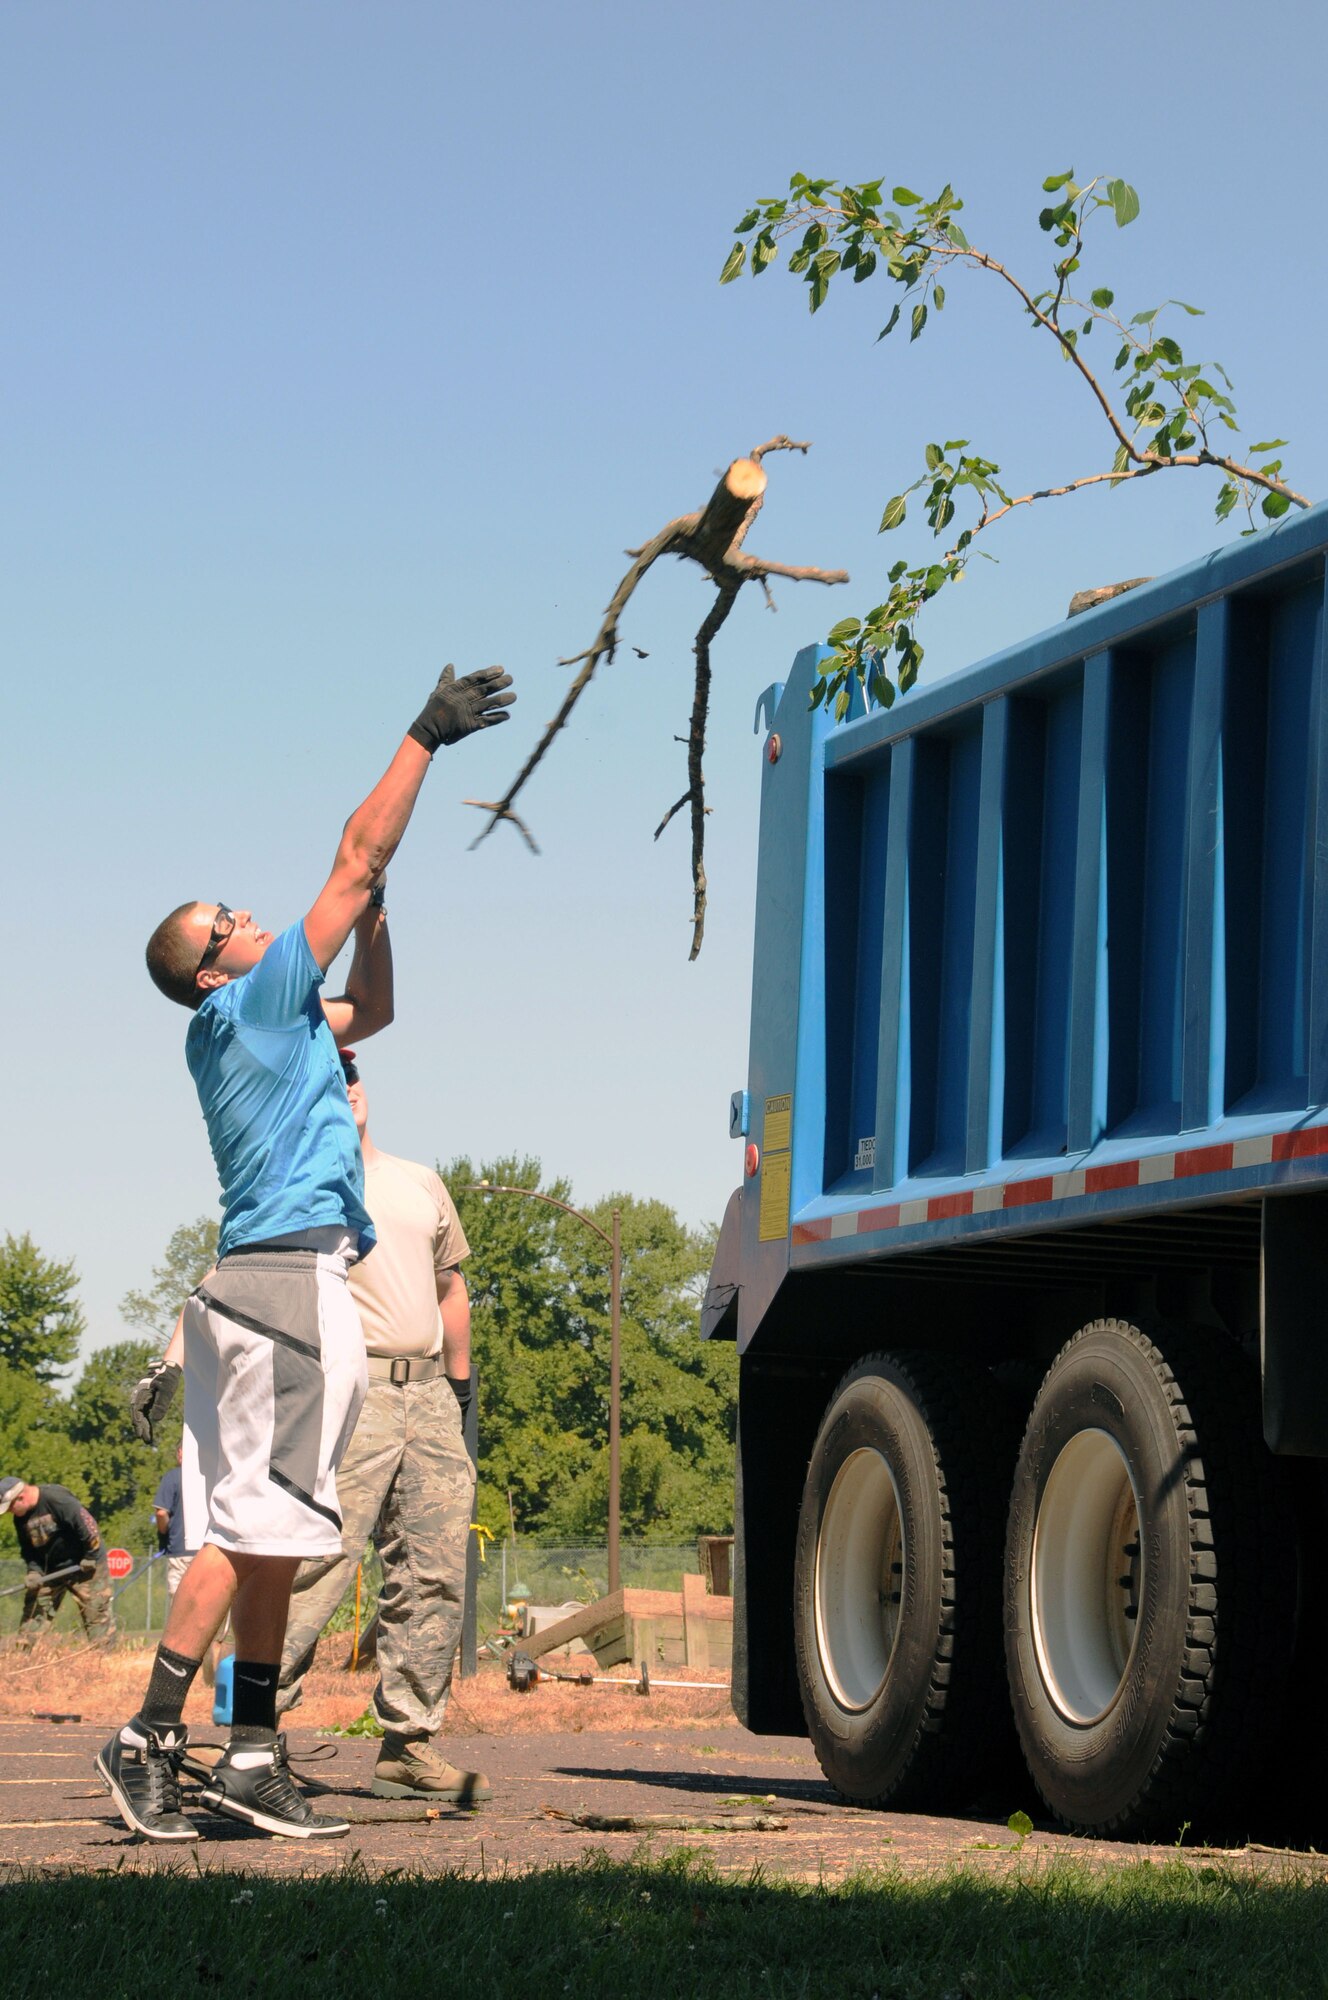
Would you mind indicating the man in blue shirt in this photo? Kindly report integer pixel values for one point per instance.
(273, 1355)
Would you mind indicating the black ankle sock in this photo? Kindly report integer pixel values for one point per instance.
(254, 1701)
(172, 1678)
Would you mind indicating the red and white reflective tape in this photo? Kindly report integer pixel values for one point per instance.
(1272, 1148)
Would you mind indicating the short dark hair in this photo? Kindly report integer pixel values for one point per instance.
(173, 959)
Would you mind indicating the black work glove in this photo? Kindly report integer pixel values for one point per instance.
(460, 1387)
(89, 1565)
(457, 708)
(152, 1396)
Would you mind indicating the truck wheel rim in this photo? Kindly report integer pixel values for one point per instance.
(1087, 1576)
(859, 1579)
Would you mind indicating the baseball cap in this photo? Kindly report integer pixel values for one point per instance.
(9, 1492)
(349, 1065)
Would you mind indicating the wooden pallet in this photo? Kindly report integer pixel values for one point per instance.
(665, 1628)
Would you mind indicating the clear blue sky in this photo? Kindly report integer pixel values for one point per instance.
(341, 341)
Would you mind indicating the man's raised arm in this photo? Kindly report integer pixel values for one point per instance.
(455, 709)
(367, 1004)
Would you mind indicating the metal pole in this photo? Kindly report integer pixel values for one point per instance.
(615, 1405)
(469, 1616)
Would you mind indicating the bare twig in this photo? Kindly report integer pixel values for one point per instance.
(719, 611)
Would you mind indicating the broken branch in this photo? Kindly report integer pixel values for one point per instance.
(711, 537)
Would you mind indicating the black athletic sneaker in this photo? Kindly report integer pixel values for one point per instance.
(252, 1782)
(137, 1768)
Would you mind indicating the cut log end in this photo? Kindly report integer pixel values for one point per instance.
(746, 480)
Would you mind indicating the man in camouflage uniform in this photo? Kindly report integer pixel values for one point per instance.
(56, 1533)
(406, 1479)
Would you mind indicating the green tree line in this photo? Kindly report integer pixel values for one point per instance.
(540, 1292)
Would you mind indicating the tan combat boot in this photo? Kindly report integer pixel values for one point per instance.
(412, 1768)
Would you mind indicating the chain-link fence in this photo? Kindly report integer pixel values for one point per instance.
(508, 1574)
(511, 1575)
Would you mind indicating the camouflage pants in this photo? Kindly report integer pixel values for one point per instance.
(407, 1483)
(92, 1594)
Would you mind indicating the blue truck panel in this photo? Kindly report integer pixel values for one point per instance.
(1047, 943)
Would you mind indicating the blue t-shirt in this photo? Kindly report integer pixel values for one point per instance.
(274, 1096)
(167, 1497)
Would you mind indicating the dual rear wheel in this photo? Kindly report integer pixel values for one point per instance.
(1120, 1590)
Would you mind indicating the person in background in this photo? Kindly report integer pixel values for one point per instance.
(168, 1513)
(406, 1480)
(58, 1539)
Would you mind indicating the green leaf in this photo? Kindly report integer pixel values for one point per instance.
(935, 456)
(957, 236)
(1121, 460)
(905, 198)
(938, 294)
(1020, 1825)
(1275, 505)
(841, 704)
(894, 513)
(890, 324)
(1124, 201)
(1054, 182)
(919, 321)
(1195, 312)
(880, 689)
(764, 251)
(1269, 444)
(749, 221)
(819, 692)
(1102, 297)
(846, 629)
(897, 571)
(1226, 501)
(864, 267)
(733, 263)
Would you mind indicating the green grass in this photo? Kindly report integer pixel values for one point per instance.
(674, 1926)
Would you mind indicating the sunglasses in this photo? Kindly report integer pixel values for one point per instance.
(223, 924)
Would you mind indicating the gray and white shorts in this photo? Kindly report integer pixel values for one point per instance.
(274, 1376)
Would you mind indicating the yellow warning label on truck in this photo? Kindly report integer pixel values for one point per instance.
(777, 1131)
(776, 1185)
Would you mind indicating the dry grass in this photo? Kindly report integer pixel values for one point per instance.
(99, 1687)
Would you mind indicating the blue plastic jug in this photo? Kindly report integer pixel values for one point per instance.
(223, 1694)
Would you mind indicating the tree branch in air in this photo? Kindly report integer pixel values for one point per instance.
(1164, 413)
(712, 537)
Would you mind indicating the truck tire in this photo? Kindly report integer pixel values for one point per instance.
(897, 1598)
(1150, 1585)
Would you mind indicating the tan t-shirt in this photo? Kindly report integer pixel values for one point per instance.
(419, 1238)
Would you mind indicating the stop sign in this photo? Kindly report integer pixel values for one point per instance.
(119, 1562)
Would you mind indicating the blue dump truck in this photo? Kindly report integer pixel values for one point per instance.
(1028, 1269)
